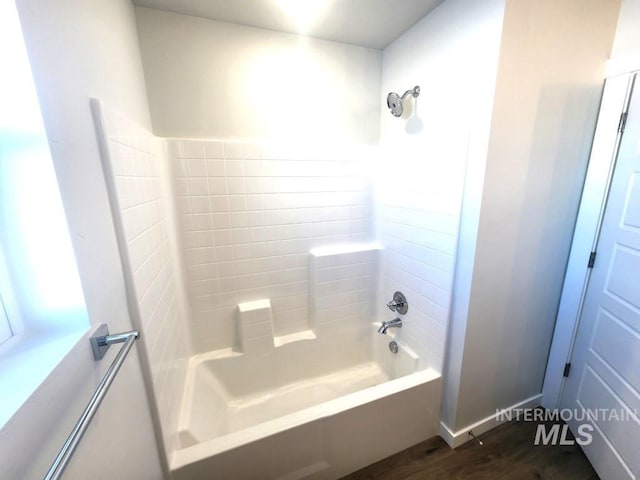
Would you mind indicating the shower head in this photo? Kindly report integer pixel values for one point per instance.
(394, 101)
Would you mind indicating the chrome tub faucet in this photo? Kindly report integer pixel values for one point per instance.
(396, 323)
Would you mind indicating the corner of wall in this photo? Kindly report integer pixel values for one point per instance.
(540, 136)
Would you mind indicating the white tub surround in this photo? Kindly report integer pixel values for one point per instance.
(280, 275)
(135, 166)
(250, 213)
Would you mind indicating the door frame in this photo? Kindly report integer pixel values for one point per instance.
(615, 99)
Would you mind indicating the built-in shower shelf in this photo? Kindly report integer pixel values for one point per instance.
(344, 249)
(294, 337)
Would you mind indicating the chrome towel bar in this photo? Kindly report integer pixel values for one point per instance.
(100, 342)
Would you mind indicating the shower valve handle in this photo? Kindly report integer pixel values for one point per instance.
(398, 304)
(394, 305)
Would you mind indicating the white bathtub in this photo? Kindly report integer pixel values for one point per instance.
(304, 410)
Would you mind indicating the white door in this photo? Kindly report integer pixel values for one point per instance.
(605, 371)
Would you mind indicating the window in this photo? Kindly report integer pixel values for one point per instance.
(42, 309)
(5, 327)
(10, 323)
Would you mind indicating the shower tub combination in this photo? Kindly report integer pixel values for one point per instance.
(319, 403)
(295, 413)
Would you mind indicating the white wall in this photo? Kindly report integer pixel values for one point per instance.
(549, 82)
(209, 79)
(79, 49)
(627, 40)
(625, 57)
(452, 55)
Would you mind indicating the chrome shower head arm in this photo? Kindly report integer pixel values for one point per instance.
(415, 91)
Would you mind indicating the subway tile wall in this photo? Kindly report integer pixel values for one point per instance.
(138, 164)
(418, 215)
(343, 285)
(250, 213)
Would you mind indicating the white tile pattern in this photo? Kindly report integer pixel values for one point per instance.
(418, 219)
(249, 215)
(343, 285)
(136, 158)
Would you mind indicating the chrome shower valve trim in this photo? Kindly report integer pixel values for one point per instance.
(399, 304)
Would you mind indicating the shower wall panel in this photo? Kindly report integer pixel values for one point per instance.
(437, 150)
(418, 226)
(249, 215)
(137, 161)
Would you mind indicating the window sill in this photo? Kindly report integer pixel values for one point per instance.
(26, 361)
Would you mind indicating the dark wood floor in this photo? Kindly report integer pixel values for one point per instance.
(508, 453)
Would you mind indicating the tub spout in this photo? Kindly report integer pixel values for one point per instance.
(396, 322)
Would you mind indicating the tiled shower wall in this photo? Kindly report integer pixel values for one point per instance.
(249, 215)
(418, 220)
(136, 159)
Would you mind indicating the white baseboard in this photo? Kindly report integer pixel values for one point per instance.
(455, 439)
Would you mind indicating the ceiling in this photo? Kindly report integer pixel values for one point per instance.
(369, 23)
